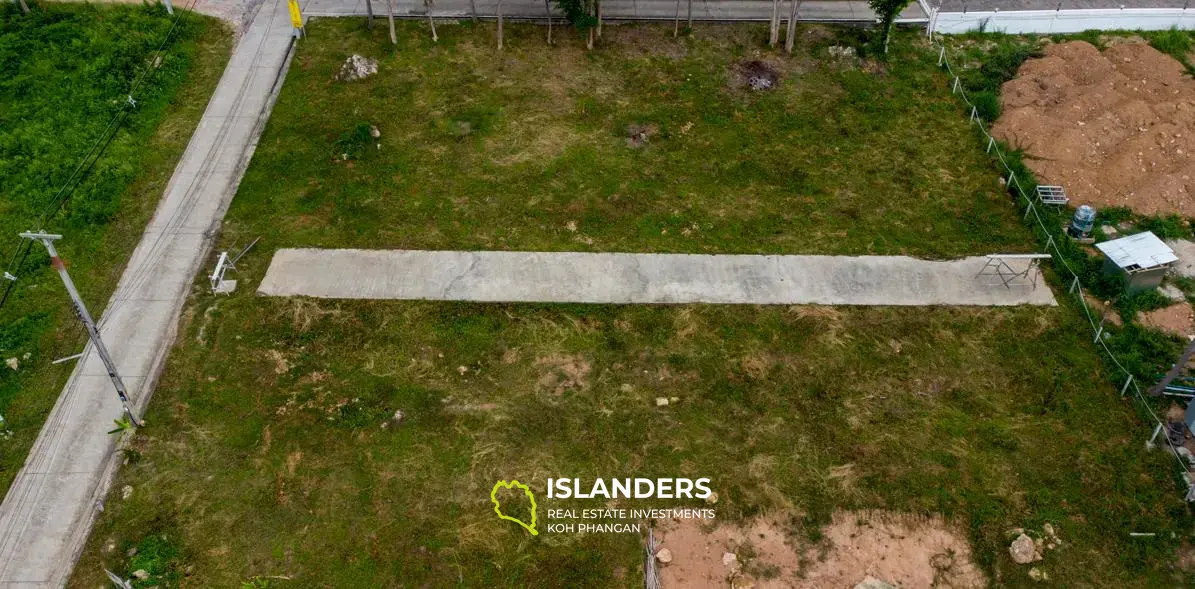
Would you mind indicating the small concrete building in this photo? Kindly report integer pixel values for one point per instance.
(1142, 259)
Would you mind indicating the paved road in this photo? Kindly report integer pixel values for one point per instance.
(48, 512)
(703, 10)
(571, 277)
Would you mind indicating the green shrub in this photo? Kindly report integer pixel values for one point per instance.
(987, 105)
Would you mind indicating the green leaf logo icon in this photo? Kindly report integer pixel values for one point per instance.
(498, 508)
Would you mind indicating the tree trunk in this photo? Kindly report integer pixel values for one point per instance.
(676, 25)
(598, 3)
(430, 21)
(791, 35)
(473, 9)
(887, 36)
(548, 9)
(690, 23)
(774, 30)
(499, 25)
(24, 7)
(589, 37)
(369, 14)
(390, 15)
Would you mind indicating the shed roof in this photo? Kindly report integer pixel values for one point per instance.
(1138, 252)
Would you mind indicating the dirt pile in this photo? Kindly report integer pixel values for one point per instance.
(909, 552)
(1114, 129)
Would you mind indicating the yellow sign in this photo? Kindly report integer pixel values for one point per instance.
(296, 17)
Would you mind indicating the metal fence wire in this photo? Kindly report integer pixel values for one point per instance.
(1064, 270)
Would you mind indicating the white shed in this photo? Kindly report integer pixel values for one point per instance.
(1143, 259)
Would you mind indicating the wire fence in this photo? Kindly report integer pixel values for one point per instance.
(1026, 190)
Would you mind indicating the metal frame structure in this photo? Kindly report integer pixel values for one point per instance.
(1052, 195)
(997, 265)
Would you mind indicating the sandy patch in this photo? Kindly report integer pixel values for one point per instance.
(562, 372)
(1176, 319)
(910, 552)
(1115, 128)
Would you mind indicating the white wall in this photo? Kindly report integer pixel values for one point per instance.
(1064, 21)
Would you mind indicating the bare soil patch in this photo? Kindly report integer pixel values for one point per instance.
(755, 75)
(908, 551)
(1115, 128)
(1176, 319)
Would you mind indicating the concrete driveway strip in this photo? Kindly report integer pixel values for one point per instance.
(47, 514)
(618, 278)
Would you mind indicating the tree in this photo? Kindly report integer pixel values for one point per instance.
(428, 4)
(473, 9)
(676, 24)
(580, 14)
(887, 11)
(369, 14)
(548, 10)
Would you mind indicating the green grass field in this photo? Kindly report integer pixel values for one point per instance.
(65, 70)
(266, 463)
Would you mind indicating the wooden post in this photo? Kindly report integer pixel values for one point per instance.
(774, 25)
(390, 15)
(548, 10)
(428, 4)
(790, 37)
(499, 25)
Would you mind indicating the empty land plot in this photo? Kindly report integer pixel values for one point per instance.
(647, 144)
(274, 452)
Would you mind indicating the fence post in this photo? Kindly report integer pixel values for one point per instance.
(1074, 285)
(941, 56)
(1125, 389)
(974, 114)
(991, 143)
(1050, 243)
(954, 90)
(1028, 210)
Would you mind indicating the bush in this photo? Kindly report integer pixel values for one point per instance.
(987, 105)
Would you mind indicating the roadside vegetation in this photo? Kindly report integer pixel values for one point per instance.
(65, 71)
(276, 455)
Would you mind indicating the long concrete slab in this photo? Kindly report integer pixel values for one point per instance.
(47, 514)
(559, 277)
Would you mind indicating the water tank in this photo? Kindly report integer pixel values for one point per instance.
(1082, 222)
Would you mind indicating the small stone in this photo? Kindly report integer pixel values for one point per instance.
(398, 415)
(664, 555)
(26, 355)
(870, 582)
(1171, 292)
(141, 574)
(712, 498)
(840, 51)
(730, 559)
(13, 363)
(674, 400)
(1022, 550)
(661, 401)
(131, 552)
(626, 387)
(126, 492)
(374, 131)
(357, 67)
(1038, 575)
(462, 370)
(1048, 529)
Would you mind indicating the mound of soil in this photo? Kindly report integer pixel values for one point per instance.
(909, 552)
(1114, 129)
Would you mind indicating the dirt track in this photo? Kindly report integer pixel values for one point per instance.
(1115, 128)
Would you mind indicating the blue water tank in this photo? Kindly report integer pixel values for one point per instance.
(1082, 222)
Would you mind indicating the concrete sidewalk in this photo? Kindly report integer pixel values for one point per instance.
(615, 10)
(560, 277)
(48, 512)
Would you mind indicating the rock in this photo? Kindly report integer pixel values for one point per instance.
(131, 552)
(1022, 550)
(141, 574)
(664, 555)
(357, 67)
(126, 492)
(1109, 231)
(397, 418)
(1038, 575)
(730, 559)
(841, 52)
(374, 131)
(1048, 529)
(1172, 292)
(712, 499)
(661, 401)
(13, 363)
(626, 387)
(870, 582)
(674, 400)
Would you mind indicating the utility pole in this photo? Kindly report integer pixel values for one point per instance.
(47, 239)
